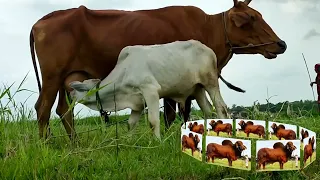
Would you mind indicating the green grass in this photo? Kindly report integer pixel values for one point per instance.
(314, 154)
(196, 154)
(221, 134)
(251, 135)
(238, 164)
(94, 156)
(274, 137)
(290, 165)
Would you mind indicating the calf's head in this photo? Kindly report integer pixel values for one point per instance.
(248, 33)
(81, 90)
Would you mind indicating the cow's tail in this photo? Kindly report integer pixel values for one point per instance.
(34, 59)
(231, 86)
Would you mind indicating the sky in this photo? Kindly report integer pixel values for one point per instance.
(286, 76)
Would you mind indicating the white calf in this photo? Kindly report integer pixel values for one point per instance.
(148, 73)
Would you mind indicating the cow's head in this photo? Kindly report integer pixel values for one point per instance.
(274, 126)
(81, 89)
(312, 141)
(240, 146)
(245, 27)
(242, 123)
(290, 146)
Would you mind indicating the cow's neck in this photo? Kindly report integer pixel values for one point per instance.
(216, 39)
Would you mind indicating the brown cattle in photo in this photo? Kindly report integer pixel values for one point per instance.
(220, 127)
(248, 127)
(194, 127)
(279, 153)
(308, 150)
(190, 142)
(226, 150)
(281, 132)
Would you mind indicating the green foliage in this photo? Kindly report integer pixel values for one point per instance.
(141, 156)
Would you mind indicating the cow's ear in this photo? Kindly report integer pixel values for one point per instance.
(78, 86)
(240, 18)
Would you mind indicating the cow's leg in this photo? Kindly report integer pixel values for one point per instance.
(169, 111)
(281, 165)
(44, 104)
(264, 165)
(152, 99)
(134, 119)
(62, 107)
(66, 117)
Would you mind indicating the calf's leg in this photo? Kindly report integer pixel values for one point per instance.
(214, 93)
(134, 119)
(152, 99)
(203, 102)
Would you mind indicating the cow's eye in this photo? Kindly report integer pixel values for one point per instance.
(252, 18)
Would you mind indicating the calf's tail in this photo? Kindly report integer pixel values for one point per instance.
(231, 86)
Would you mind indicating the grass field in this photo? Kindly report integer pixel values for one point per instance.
(251, 135)
(238, 164)
(23, 156)
(94, 156)
(221, 134)
(197, 155)
(274, 137)
(290, 165)
(314, 154)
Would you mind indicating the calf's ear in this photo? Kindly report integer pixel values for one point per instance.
(78, 86)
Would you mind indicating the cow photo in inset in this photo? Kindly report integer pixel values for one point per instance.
(308, 141)
(275, 155)
(281, 131)
(191, 143)
(194, 126)
(250, 128)
(219, 127)
(228, 152)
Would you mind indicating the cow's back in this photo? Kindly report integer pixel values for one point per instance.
(96, 37)
(175, 66)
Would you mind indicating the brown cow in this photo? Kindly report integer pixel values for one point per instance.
(248, 127)
(279, 153)
(219, 126)
(281, 132)
(308, 150)
(190, 142)
(226, 150)
(304, 134)
(196, 128)
(78, 43)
